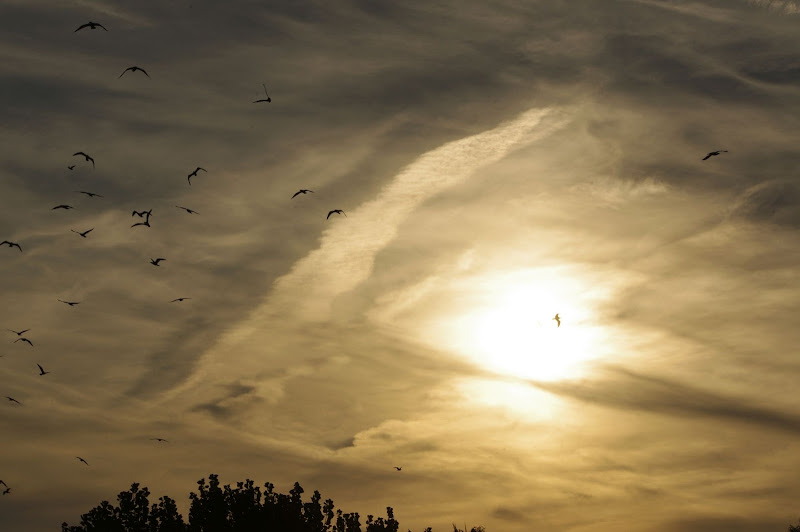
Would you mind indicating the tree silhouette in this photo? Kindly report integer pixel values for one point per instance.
(245, 508)
(793, 528)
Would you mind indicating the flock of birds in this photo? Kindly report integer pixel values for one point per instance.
(146, 223)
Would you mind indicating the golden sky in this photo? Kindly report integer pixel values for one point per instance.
(498, 162)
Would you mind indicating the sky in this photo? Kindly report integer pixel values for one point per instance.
(497, 162)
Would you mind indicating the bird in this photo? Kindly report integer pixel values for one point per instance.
(155, 262)
(398, 468)
(190, 211)
(134, 69)
(90, 194)
(301, 191)
(160, 440)
(339, 211)
(82, 460)
(194, 174)
(141, 214)
(65, 207)
(146, 222)
(70, 303)
(24, 340)
(13, 400)
(267, 99)
(558, 320)
(88, 158)
(71, 167)
(3, 483)
(90, 25)
(84, 233)
(6, 491)
(42, 372)
(18, 333)
(11, 244)
(713, 153)
(180, 299)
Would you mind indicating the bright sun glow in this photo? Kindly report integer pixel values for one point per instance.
(510, 327)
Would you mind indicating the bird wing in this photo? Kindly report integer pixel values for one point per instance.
(83, 26)
(88, 231)
(329, 214)
(707, 156)
(123, 72)
(79, 153)
(145, 72)
(102, 26)
(40, 368)
(295, 194)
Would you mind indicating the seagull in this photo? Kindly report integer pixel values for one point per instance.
(84, 233)
(82, 460)
(398, 468)
(70, 303)
(87, 157)
(71, 167)
(13, 400)
(42, 372)
(20, 332)
(90, 25)
(558, 320)
(194, 174)
(267, 99)
(23, 340)
(339, 211)
(713, 153)
(134, 69)
(190, 211)
(90, 194)
(180, 299)
(65, 207)
(11, 244)
(155, 262)
(301, 191)
(146, 222)
(141, 214)
(160, 440)
(6, 491)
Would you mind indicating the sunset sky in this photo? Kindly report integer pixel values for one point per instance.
(498, 162)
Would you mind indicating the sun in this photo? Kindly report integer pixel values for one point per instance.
(508, 324)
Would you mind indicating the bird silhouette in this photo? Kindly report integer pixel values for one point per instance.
(70, 303)
(180, 299)
(6, 491)
(71, 167)
(301, 191)
(3, 483)
(190, 211)
(155, 262)
(134, 69)
(82, 460)
(146, 222)
(65, 207)
(558, 320)
(90, 25)
(160, 440)
(713, 153)
(42, 372)
(11, 244)
(267, 99)
(84, 233)
(142, 213)
(24, 340)
(338, 211)
(90, 194)
(194, 174)
(12, 400)
(88, 158)
(20, 332)
(398, 468)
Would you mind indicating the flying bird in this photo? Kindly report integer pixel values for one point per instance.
(20, 332)
(90, 25)
(141, 214)
(398, 468)
(713, 153)
(42, 372)
(88, 158)
(84, 233)
(558, 320)
(70, 303)
(3, 483)
(11, 244)
(82, 460)
(160, 440)
(6, 491)
(155, 262)
(301, 191)
(90, 194)
(13, 400)
(24, 340)
(65, 207)
(190, 211)
(194, 174)
(71, 167)
(267, 99)
(180, 299)
(146, 222)
(338, 211)
(134, 69)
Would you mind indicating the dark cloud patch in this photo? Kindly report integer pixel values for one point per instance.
(773, 201)
(509, 514)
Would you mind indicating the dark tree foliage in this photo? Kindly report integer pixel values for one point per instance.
(793, 528)
(245, 508)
